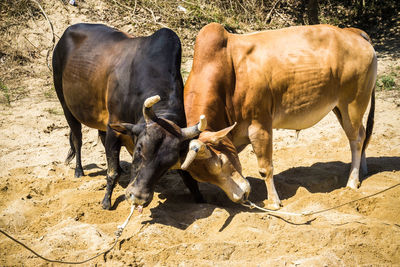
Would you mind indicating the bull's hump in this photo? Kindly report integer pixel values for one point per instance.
(211, 39)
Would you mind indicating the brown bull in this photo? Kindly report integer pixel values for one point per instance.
(289, 78)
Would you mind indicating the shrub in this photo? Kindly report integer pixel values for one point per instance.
(386, 82)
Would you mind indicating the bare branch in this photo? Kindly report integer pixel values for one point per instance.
(284, 19)
(125, 6)
(37, 49)
(268, 18)
(52, 31)
(154, 17)
(134, 9)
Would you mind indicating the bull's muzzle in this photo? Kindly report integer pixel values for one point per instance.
(138, 197)
(244, 192)
(236, 188)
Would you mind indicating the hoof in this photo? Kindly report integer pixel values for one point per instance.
(106, 204)
(262, 172)
(199, 199)
(272, 205)
(364, 171)
(78, 173)
(353, 184)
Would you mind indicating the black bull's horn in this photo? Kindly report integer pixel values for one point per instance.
(187, 133)
(148, 112)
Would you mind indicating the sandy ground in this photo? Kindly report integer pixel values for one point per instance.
(43, 205)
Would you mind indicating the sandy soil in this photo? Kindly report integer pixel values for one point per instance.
(59, 216)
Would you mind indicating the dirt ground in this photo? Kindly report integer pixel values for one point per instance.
(59, 216)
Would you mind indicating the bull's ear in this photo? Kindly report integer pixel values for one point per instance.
(127, 128)
(216, 137)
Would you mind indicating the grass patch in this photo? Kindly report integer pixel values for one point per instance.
(389, 81)
(386, 82)
(6, 93)
(51, 93)
(54, 111)
(9, 94)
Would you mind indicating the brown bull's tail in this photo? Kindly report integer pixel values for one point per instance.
(370, 122)
(362, 33)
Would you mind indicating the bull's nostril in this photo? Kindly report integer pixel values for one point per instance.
(129, 196)
(246, 195)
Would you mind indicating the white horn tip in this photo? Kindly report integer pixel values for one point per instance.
(151, 101)
(203, 123)
(191, 155)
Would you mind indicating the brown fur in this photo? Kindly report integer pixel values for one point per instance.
(289, 78)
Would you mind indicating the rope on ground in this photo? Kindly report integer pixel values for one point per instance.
(251, 205)
(118, 234)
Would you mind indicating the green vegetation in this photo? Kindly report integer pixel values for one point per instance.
(17, 9)
(55, 111)
(379, 18)
(389, 81)
(5, 92)
(50, 93)
(194, 15)
(251, 15)
(8, 95)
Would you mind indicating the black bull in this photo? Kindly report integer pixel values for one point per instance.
(105, 79)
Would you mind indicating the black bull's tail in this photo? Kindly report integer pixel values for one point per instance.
(71, 152)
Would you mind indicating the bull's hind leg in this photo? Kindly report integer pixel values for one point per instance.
(260, 136)
(75, 134)
(75, 140)
(350, 117)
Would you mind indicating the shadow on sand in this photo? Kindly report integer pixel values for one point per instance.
(318, 178)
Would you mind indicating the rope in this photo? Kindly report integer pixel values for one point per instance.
(352, 201)
(118, 234)
(251, 205)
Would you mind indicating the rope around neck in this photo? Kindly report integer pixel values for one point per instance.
(251, 205)
(118, 234)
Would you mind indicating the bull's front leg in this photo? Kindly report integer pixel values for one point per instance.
(193, 186)
(113, 147)
(260, 136)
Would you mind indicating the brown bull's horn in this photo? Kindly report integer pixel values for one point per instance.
(203, 123)
(191, 155)
(148, 112)
(192, 131)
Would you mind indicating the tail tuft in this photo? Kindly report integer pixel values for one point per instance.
(70, 156)
(370, 122)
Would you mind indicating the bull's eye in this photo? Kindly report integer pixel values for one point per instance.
(221, 160)
(139, 150)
